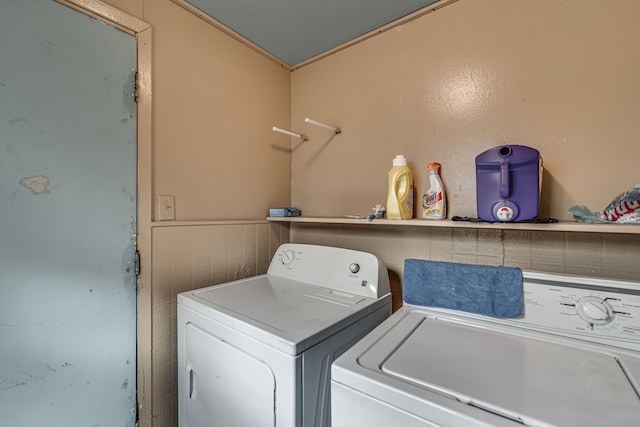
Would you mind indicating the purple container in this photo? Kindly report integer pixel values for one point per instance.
(508, 180)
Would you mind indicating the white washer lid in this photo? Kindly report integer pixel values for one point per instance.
(520, 376)
(289, 315)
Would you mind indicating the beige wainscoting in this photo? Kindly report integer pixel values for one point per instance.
(613, 256)
(189, 257)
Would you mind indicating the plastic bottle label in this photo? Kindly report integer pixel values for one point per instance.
(432, 205)
(430, 200)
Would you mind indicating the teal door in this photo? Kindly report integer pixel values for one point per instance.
(67, 219)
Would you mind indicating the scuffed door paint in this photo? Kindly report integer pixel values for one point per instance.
(67, 219)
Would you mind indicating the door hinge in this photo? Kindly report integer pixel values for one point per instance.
(137, 263)
(135, 87)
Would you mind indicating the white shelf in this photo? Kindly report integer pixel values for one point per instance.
(558, 226)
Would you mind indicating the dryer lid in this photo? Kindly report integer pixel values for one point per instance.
(289, 315)
(525, 377)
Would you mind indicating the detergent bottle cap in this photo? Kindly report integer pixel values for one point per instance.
(400, 160)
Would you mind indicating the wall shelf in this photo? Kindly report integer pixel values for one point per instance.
(559, 226)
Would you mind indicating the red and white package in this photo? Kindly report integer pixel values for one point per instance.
(624, 208)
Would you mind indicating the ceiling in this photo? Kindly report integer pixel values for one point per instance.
(295, 31)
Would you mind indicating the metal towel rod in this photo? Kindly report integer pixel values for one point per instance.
(337, 130)
(287, 132)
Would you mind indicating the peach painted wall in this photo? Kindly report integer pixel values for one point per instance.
(214, 103)
(561, 77)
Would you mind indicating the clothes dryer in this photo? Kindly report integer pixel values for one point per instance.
(257, 352)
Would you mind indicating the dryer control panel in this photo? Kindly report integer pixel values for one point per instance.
(346, 270)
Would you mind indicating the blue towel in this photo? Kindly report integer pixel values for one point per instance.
(481, 289)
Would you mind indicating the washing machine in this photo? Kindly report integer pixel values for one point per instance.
(257, 352)
(572, 360)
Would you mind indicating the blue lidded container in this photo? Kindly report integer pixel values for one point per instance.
(508, 183)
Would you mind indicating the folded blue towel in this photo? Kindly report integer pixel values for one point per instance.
(482, 289)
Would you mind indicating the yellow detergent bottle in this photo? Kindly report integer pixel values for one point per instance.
(400, 196)
(434, 200)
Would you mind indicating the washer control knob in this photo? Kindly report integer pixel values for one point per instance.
(354, 267)
(287, 257)
(594, 310)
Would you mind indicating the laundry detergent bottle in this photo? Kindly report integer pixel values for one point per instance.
(400, 195)
(434, 200)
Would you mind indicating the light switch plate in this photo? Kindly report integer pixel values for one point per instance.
(166, 208)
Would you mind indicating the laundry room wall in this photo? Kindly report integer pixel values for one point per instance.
(560, 77)
(614, 256)
(214, 104)
(557, 76)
